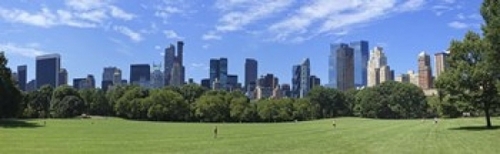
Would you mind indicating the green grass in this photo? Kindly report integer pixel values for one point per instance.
(352, 135)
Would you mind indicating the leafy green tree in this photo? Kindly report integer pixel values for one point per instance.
(167, 105)
(213, 107)
(303, 109)
(240, 109)
(130, 105)
(331, 102)
(66, 103)
(10, 96)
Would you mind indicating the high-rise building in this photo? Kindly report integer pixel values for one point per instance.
(89, 82)
(117, 77)
(205, 83)
(22, 75)
(341, 67)
(361, 55)
(108, 75)
(140, 74)
(176, 75)
(286, 90)
(179, 58)
(63, 77)
(232, 82)
(314, 81)
(424, 71)
(404, 78)
(157, 77)
(440, 63)
(79, 83)
(47, 70)
(414, 78)
(250, 72)
(218, 70)
(31, 86)
(169, 59)
(305, 73)
(378, 70)
(296, 73)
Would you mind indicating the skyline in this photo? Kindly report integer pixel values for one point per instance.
(120, 34)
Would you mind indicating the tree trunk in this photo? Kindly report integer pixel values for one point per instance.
(487, 114)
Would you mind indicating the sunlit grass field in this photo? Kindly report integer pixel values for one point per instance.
(352, 135)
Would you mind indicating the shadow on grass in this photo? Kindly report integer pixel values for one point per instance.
(475, 128)
(18, 124)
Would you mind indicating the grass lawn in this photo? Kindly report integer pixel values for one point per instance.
(352, 135)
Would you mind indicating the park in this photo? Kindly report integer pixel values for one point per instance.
(352, 135)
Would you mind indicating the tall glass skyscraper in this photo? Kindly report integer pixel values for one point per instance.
(305, 73)
(296, 70)
(22, 73)
(47, 70)
(361, 56)
(250, 73)
(140, 73)
(218, 70)
(341, 67)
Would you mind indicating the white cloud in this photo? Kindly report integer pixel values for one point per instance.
(134, 36)
(45, 18)
(84, 5)
(27, 51)
(157, 47)
(170, 34)
(211, 35)
(335, 17)
(119, 13)
(412, 5)
(449, 1)
(236, 19)
(458, 25)
(205, 46)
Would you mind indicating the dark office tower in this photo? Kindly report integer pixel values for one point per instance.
(250, 71)
(108, 77)
(361, 56)
(305, 73)
(22, 73)
(31, 86)
(205, 83)
(286, 91)
(79, 83)
(218, 70)
(140, 74)
(341, 67)
(296, 72)
(232, 82)
(314, 81)
(179, 57)
(47, 70)
(63, 77)
(169, 60)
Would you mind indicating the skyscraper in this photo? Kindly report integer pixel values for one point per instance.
(78, 83)
(22, 75)
(378, 70)
(440, 63)
(361, 55)
(314, 81)
(296, 73)
(250, 72)
(157, 77)
(63, 77)
(108, 77)
(341, 67)
(169, 59)
(424, 71)
(47, 70)
(140, 74)
(117, 77)
(205, 83)
(305, 73)
(232, 82)
(218, 70)
(176, 75)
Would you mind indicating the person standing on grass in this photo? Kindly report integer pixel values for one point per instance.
(334, 124)
(215, 132)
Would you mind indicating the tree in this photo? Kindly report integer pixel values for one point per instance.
(331, 102)
(10, 96)
(66, 103)
(167, 105)
(303, 109)
(213, 107)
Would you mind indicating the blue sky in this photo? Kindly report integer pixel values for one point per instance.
(92, 34)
